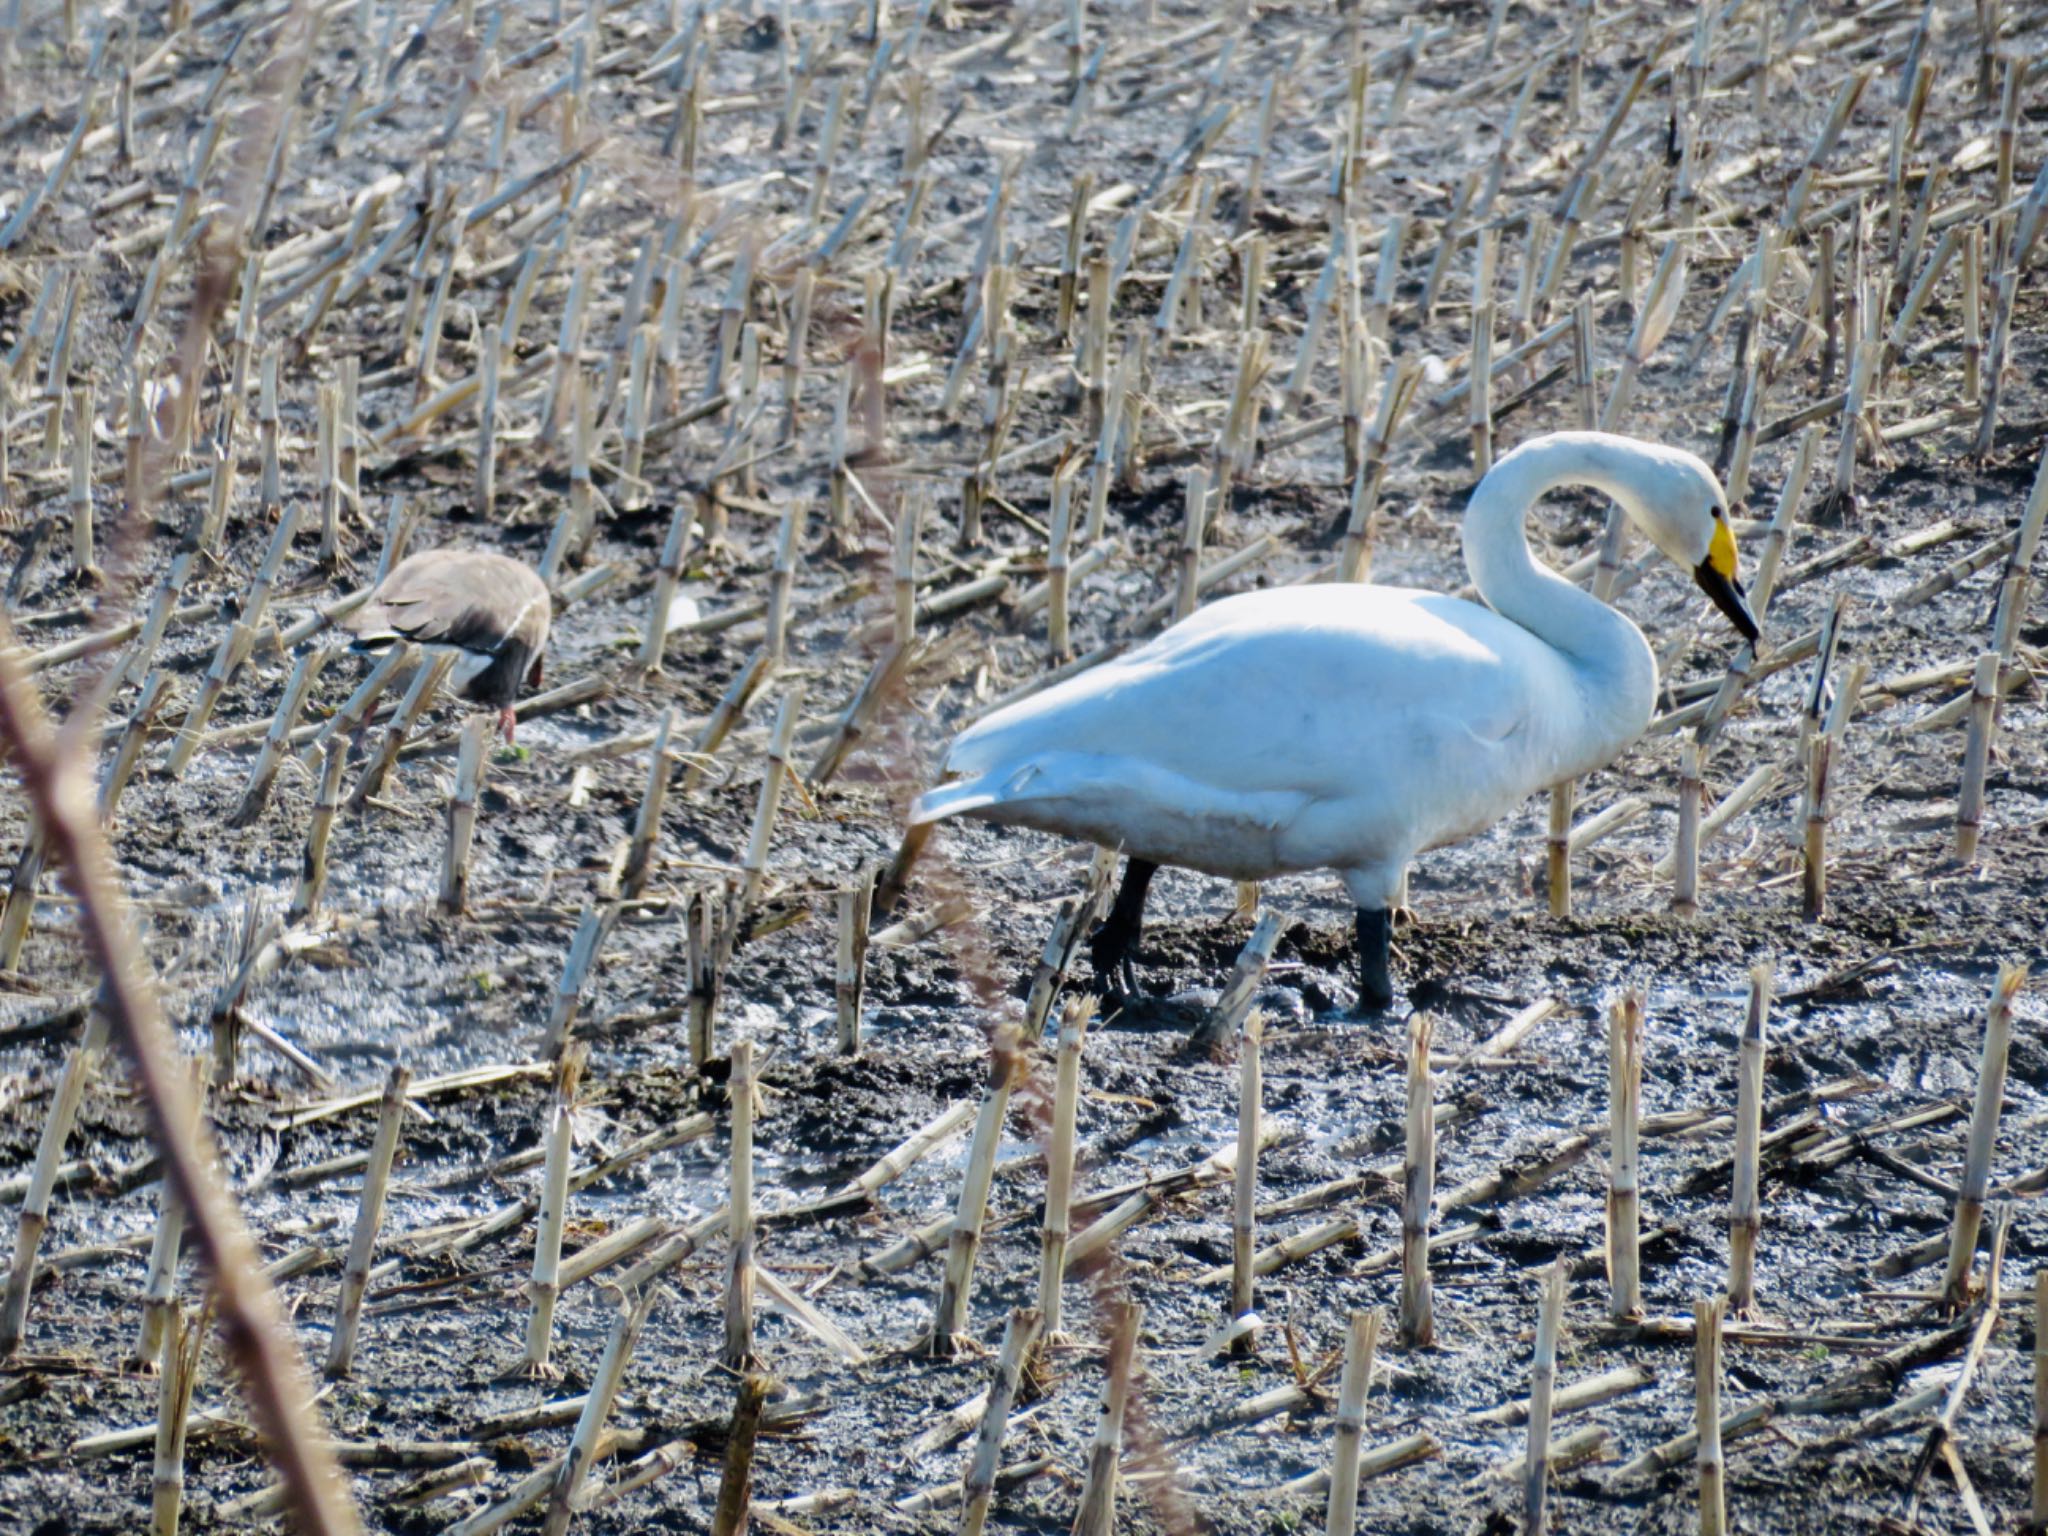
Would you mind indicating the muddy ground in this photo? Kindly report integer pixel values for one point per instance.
(1882, 1004)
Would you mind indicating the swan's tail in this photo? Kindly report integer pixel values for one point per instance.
(960, 797)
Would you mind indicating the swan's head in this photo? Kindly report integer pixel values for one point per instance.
(1675, 498)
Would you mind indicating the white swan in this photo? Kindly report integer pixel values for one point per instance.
(1351, 727)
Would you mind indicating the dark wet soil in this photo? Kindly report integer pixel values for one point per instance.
(1882, 1003)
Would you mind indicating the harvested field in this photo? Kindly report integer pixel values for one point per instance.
(845, 370)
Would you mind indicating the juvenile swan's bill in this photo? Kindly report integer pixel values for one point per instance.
(1349, 727)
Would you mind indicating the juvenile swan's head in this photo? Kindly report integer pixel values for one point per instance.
(1674, 497)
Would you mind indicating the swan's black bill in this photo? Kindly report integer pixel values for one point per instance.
(1728, 596)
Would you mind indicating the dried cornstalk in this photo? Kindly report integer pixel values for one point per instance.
(1780, 530)
(1074, 917)
(1182, 277)
(1244, 1225)
(1653, 320)
(1418, 1190)
(263, 773)
(1625, 1102)
(425, 684)
(1058, 567)
(160, 1290)
(1976, 1180)
(1758, 375)
(1863, 354)
(362, 1243)
(1397, 390)
(1956, 572)
(907, 1153)
(577, 521)
(1234, 1002)
(1707, 1413)
(735, 1484)
(2032, 217)
(1915, 300)
(1585, 390)
(1097, 1514)
(1973, 315)
(180, 1363)
(345, 721)
(740, 1227)
(803, 294)
(79, 1067)
(260, 1344)
(1318, 309)
(23, 888)
(780, 578)
(6, 425)
(849, 977)
(1745, 1211)
(633, 487)
(1094, 359)
(710, 922)
(978, 1487)
(950, 1316)
(1237, 445)
(1361, 1341)
(1604, 823)
(469, 779)
(1119, 426)
(604, 1388)
(544, 1286)
(1059, 1162)
(1542, 1389)
(1760, 782)
(128, 752)
(163, 608)
(1976, 757)
(675, 550)
(1480, 398)
(313, 868)
(908, 520)
(756, 864)
(1846, 97)
(1070, 253)
(1821, 764)
(326, 411)
(1557, 846)
(647, 822)
(2014, 584)
(876, 689)
(2040, 1511)
(82, 563)
(731, 706)
(1685, 878)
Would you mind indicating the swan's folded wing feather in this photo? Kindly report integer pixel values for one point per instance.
(1118, 800)
(1303, 691)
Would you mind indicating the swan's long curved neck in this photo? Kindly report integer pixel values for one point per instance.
(1607, 651)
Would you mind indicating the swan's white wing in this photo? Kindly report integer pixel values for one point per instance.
(1268, 714)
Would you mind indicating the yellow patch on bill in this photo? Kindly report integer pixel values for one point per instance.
(1721, 553)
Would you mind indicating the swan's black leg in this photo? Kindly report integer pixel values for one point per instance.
(1375, 951)
(1114, 946)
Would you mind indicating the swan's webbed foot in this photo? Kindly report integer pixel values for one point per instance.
(1113, 947)
(1375, 956)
